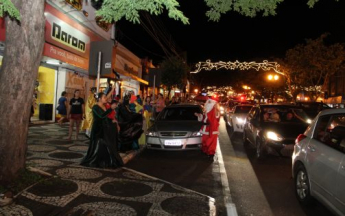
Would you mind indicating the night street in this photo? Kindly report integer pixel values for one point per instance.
(171, 107)
(256, 187)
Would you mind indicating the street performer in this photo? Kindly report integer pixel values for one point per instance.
(209, 130)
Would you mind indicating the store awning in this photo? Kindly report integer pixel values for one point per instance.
(125, 73)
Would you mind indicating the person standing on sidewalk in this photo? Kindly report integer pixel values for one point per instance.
(102, 150)
(76, 113)
(87, 122)
(62, 108)
(210, 130)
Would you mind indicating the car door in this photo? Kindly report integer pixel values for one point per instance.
(323, 161)
(340, 190)
(251, 124)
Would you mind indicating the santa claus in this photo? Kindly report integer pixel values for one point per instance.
(209, 130)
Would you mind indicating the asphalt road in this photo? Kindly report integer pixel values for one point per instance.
(261, 187)
(256, 187)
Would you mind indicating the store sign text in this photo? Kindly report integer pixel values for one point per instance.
(130, 69)
(68, 39)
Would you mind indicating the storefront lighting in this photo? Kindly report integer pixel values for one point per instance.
(53, 62)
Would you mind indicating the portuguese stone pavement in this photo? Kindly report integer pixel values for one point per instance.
(76, 190)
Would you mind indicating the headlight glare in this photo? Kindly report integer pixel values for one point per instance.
(152, 133)
(196, 133)
(240, 120)
(273, 136)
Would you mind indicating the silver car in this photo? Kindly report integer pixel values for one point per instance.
(318, 161)
(236, 117)
(176, 128)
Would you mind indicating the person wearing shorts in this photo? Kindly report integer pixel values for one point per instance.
(76, 113)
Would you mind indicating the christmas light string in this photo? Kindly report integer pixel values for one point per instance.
(265, 65)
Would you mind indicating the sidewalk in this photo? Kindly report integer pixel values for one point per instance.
(89, 191)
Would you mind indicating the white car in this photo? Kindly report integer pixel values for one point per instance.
(318, 161)
(237, 116)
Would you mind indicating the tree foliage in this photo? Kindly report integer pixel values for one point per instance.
(174, 73)
(115, 10)
(308, 66)
(7, 7)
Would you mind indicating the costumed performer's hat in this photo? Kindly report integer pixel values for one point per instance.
(215, 97)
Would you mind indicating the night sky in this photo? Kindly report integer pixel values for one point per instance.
(236, 37)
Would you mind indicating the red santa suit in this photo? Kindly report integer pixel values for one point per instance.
(210, 130)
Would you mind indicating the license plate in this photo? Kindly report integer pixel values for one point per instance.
(172, 142)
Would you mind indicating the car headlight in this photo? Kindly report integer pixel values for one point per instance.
(152, 133)
(240, 120)
(309, 121)
(273, 136)
(196, 133)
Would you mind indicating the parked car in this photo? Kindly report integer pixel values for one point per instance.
(312, 108)
(272, 129)
(236, 117)
(176, 128)
(318, 161)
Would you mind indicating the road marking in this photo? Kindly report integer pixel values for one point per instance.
(229, 205)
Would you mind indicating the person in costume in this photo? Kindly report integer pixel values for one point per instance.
(209, 130)
(148, 111)
(87, 122)
(102, 150)
(131, 124)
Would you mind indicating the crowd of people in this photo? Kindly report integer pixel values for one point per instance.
(112, 123)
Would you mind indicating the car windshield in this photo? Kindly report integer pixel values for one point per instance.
(179, 114)
(284, 114)
(242, 109)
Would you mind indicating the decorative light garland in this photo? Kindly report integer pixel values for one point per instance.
(265, 65)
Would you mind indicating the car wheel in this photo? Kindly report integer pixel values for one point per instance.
(260, 149)
(244, 138)
(302, 187)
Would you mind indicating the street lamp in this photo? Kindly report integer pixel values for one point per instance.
(273, 78)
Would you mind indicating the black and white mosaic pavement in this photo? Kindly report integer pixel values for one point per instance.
(77, 190)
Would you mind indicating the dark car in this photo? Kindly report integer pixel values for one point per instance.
(176, 128)
(312, 108)
(272, 129)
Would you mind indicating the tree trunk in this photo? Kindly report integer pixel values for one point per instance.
(22, 56)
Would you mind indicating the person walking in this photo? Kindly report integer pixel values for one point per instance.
(87, 122)
(62, 107)
(102, 150)
(209, 131)
(76, 113)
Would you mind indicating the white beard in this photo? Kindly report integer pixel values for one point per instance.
(209, 104)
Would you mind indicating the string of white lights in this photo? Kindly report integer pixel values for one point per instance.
(265, 65)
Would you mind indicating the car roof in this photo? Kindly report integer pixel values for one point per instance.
(184, 105)
(332, 111)
(248, 105)
(278, 105)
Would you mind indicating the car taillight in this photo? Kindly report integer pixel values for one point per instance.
(299, 138)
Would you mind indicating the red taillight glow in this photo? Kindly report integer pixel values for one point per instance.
(299, 138)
